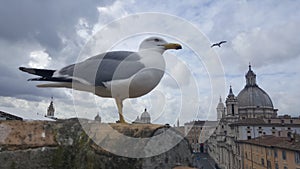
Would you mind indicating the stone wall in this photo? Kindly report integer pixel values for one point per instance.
(67, 144)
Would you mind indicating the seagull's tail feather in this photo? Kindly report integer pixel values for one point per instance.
(40, 72)
(53, 79)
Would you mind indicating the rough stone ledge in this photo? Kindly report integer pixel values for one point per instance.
(66, 144)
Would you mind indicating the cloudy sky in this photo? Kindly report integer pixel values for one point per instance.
(52, 34)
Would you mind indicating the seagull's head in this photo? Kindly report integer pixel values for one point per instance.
(159, 44)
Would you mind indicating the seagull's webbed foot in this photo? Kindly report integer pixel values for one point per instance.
(121, 120)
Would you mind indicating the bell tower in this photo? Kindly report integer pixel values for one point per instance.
(50, 110)
(231, 104)
(220, 110)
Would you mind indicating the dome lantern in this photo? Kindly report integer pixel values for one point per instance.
(250, 77)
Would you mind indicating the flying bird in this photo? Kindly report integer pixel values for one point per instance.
(218, 44)
(116, 74)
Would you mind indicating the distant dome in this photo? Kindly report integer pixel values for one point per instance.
(253, 96)
(145, 117)
(97, 118)
(145, 114)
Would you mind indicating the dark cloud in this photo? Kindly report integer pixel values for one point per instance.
(19, 87)
(31, 25)
(45, 20)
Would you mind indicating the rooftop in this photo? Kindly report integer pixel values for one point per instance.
(249, 121)
(262, 122)
(202, 123)
(27, 116)
(275, 142)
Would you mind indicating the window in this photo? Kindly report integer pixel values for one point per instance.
(283, 155)
(285, 167)
(262, 161)
(297, 157)
(269, 164)
(276, 166)
(249, 137)
(289, 135)
(269, 121)
(269, 152)
(291, 121)
(275, 153)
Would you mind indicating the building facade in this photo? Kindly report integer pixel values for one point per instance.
(248, 115)
(270, 152)
(198, 132)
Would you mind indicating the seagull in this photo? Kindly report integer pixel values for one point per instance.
(218, 44)
(115, 74)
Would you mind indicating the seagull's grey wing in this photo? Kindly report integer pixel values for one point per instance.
(117, 55)
(67, 71)
(105, 67)
(119, 65)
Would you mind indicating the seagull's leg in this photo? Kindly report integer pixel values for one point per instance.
(119, 103)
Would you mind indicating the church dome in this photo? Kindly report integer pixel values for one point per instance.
(252, 96)
(145, 115)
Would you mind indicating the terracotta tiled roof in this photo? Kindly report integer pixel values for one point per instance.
(273, 141)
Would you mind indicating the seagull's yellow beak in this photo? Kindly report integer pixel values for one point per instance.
(172, 46)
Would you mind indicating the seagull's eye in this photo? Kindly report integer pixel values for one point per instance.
(156, 40)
